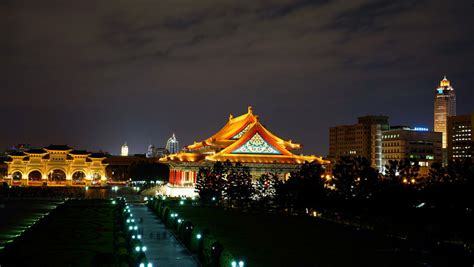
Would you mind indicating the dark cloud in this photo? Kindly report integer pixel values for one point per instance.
(97, 73)
(364, 17)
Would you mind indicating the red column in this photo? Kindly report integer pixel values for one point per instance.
(171, 178)
(178, 177)
(194, 176)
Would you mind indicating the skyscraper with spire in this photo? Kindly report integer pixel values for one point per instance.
(172, 145)
(444, 107)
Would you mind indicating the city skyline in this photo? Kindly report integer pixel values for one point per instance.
(141, 73)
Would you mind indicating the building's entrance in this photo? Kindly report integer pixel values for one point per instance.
(96, 178)
(34, 178)
(57, 177)
(79, 178)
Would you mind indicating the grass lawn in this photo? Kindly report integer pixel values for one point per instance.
(18, 215)
(77, 233)
(279, 240)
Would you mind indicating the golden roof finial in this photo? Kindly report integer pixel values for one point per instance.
(249, 109)
(231, 116)
(444, 82)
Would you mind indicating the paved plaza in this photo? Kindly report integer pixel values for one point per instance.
(162, 247)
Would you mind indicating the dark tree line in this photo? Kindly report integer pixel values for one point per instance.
(433, 208)
(353, 187)
(148, 171)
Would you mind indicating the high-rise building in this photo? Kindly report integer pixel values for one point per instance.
(444, 106)
(151, 151)
(172, 145)
(421, 144)
(461, 137)
(362, 139)
(124, 151)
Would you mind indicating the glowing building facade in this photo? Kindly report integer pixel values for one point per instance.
(243, 139)
(444, 107)
(363, 139)
(151, 151)
(414, 143)
(172, 145)
(124, 150)
(461, 137)
(55, 166)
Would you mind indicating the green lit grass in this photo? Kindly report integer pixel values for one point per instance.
(77, 233)
(19, 215)
(278, 240)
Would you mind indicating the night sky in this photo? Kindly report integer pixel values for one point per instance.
(93, 74)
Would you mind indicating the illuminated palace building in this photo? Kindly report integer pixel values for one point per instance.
(444, 107)
(55, 166)
(243, 139)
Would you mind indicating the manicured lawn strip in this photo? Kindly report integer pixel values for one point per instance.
(278, 240)
(20, 214)
(78, 233)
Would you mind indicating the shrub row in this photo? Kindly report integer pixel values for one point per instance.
(210, 251)
(127, 239)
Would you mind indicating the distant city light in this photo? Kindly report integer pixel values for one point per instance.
(421, 129)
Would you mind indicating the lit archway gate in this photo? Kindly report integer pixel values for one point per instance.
(34, 178)
(57, 177)
(79, 178)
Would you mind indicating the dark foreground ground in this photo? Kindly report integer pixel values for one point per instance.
(278, 240)
(18, 215)
(77, 233)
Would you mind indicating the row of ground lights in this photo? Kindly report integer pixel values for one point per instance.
(199, 235)
(21, 230)
(131, 226)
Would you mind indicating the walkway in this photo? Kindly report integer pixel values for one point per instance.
(162, 247)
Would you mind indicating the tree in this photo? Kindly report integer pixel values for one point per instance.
(210, 183)
(238, 187)
(400, 172)
(355, 177)
(147, 171)
(437, 173)
(409, 169)
(303, 189)
(266, 189)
